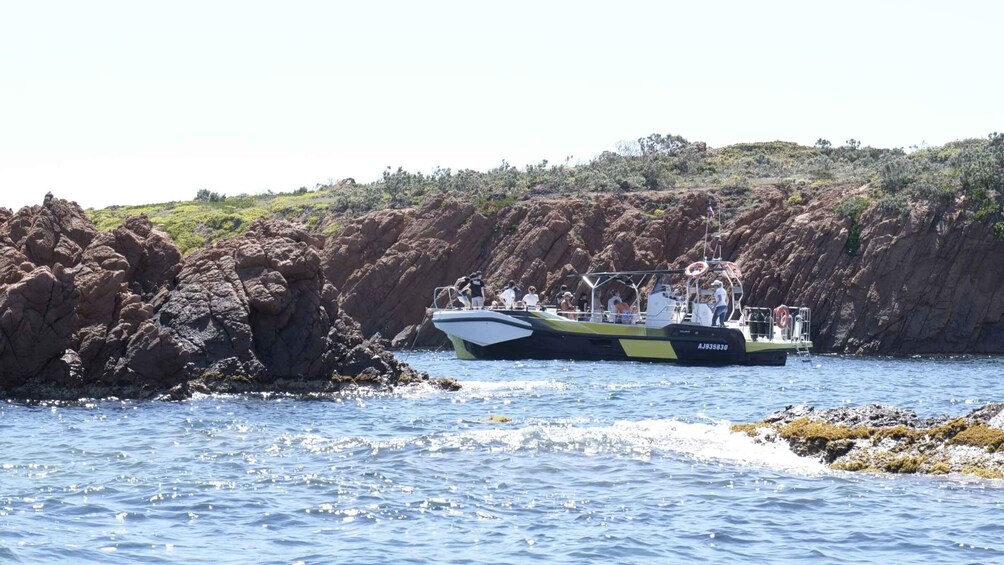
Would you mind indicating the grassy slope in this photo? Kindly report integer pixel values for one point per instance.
(193, 224)
(973, 169)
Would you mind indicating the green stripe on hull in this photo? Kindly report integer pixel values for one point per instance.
(460, 348)
(571, 326)
(648, 349)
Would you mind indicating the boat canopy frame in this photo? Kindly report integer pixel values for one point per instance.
(728, 270)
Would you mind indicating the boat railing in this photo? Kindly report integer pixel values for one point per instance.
(446, 298)
(761, 324)
(758, 323)
(802, 324)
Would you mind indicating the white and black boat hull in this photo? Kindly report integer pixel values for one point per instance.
(519, 334)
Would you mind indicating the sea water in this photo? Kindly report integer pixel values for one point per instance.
(550, 461)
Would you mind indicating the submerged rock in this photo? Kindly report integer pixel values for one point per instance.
(890, 439)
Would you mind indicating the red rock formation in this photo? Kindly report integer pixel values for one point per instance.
(119, 275)
(36, 320)
(927, 282)
(923, 283)
(121, 313)
(55, 232)
(37, 293)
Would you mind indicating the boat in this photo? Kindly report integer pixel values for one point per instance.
(673, 324)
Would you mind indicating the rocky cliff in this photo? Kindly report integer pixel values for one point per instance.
(922, 282)
(926, 282)
(122, 313)
(88, 313)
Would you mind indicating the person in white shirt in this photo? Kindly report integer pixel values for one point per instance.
(721, 305)
(509, 295)
(531, 299)
(612, 306)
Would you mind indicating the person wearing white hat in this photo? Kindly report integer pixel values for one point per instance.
(721, 305)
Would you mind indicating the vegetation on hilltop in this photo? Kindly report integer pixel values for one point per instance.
(193, 224)
(967, 173)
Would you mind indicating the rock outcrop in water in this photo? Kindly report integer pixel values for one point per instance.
(121, 313)
(921, 283)
(38, 296)
(890, 439)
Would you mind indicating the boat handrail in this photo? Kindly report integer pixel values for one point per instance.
(445, 294)
(803, 323)
(761, 324)
(758, 323)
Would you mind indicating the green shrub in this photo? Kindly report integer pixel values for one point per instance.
(851, 208)
(981, 175)
(893, 204)
(895, 174)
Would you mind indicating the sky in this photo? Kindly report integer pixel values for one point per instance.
(130, 102)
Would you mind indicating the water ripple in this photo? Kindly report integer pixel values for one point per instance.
(588, 462)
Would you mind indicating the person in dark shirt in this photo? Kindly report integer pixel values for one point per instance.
(477, 288)
(583, 306)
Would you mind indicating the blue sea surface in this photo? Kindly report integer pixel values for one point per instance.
(552, 461)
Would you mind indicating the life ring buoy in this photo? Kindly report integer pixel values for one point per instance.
(696, 269)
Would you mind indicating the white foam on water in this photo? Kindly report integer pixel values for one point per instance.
(484, 390)
(641, 439)
(487, 390)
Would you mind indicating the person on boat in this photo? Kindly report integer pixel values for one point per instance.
(509, 295)
(721, 305)
(583, 306)
(462, 293)
(531, 299)
(476, 286)
(565, 308)
(623, 313)
(612, 303)
(560, 294)
(634, 316)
